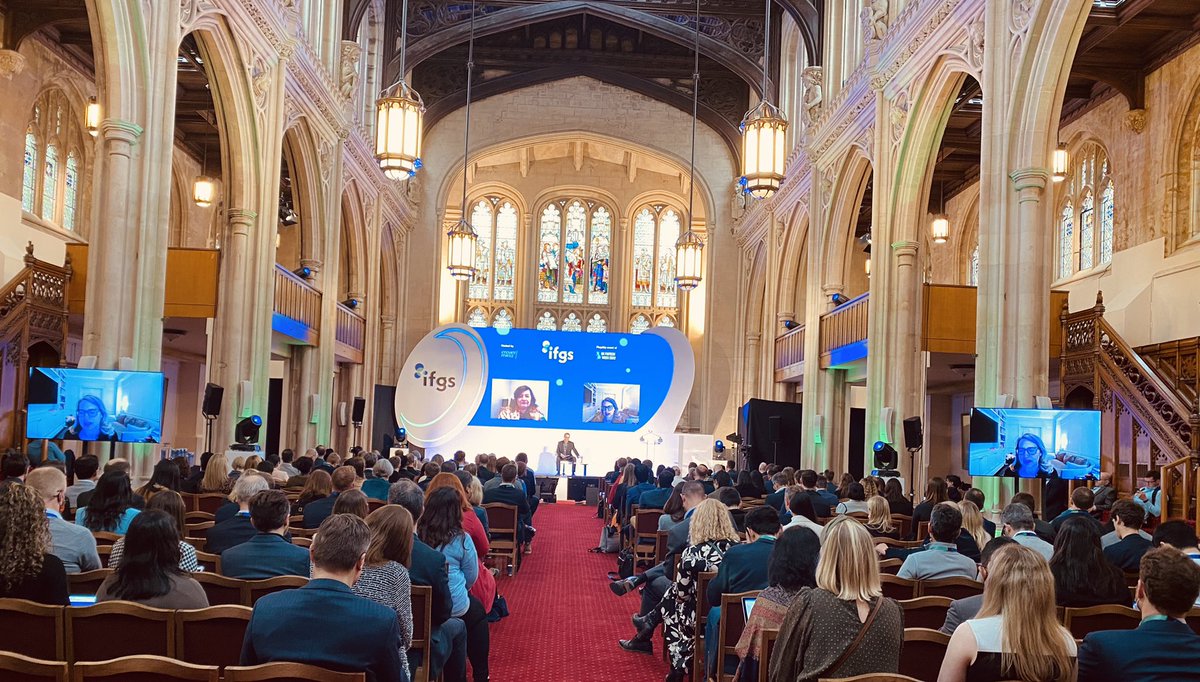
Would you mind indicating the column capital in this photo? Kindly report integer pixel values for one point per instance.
(116, 130)
(753, 338)
(311, 263)
(906, 251)
(1029, 178)
(241, 216)
(828, 290)
(785, 317)
(387, 320)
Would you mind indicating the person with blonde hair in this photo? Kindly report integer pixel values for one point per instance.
(844, 627)
(216, 476)
(870, 488)
(972, 522)
(1016, 635)
(879, 518)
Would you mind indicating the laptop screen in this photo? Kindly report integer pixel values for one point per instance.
(747, 605)
(83, 599)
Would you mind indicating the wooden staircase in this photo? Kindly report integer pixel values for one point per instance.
(1148, 403)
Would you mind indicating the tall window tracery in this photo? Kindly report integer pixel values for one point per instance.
(574, 264)
(655, 229)
(492, 290)
(1085, 234)
(52, 165)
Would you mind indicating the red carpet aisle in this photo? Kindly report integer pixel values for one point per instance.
(565, 622)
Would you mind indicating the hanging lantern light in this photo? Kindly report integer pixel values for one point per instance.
(91, 117)
(689, 248)
(867, 266)
(399, 120)
(1060, 163)
(764, 133)
(204, 188)
(940, 228)
(460, 259)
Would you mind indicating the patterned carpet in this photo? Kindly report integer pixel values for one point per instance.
(565, 622)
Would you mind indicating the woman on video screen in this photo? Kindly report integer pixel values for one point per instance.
(1030, 460)
(523, 406)
(90, 422)
(608, 413)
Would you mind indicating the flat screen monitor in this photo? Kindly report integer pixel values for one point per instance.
(94, 405)
(1023, 443)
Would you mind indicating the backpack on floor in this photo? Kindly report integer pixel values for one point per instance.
(610, 541)
(625, 563)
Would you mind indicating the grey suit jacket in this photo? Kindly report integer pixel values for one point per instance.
(961, 610)
(1105, 496)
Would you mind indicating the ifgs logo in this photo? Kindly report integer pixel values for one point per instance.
(430, 378)
(557, 354)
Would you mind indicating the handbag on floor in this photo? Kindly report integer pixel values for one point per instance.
(610, 541)
(625, 563)
(499, 609)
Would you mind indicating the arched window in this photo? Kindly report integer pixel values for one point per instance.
(1106, 223)
(655, 231)
(50, 183)
(493, 286)
(639, 324)
(1082, 245)
(973, 268)
(597, 324)
(574, 265)
(53, 161)
(546, 322)
(30, 173)
(1087, 231)
(1066, 241)
(71, 195)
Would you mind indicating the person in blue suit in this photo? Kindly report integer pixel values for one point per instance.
(323, 623)
(1162, 647)
(269, 553)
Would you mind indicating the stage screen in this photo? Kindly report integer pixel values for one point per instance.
(1023, 443)
(94, 405)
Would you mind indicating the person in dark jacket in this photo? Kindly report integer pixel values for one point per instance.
(1126, 554)
(508, 493)
(269, 553)
(317, 511)
(237, 529)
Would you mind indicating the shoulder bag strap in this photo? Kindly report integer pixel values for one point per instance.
(862, 632)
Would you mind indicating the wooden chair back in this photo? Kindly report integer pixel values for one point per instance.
(117, 628)
(924, 650)
(892, 542)
(922, 530)
(198, 517)
(199, 544)
(253, 590)
(502, 531)
(660, 546)
(890, 566)
(32, 629)
(955, 588)
(143, 669)
(702, 607)
(766, 649)
(733, 622)
(872, 677)
(220, 589)
(105, 554)
(1104, 617)
(104, 538)
(210, 562)
(210, 502)
(18, 668)
(198, 530)
(87, 582)
(422, 615)
(904, 523)
(288, 672)
(1193, 620)
(925, 612)
(211, 636)
(898, 588)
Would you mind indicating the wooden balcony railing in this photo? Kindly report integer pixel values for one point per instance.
(297, 307)
(351, 334)
(843, 326)
(789, 355)
(1175, 362)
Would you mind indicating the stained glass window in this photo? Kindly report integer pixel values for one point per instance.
(597, 324)
(71, 195)
(643, 258)
(572, 323)
(29, 177)
(668, 234)
(546, 322)
(600, 257)
(1087, 221)
(506, 252)
(477, 318)
(666, 321)
(481, 220)
(1106, 223)
(973, 268)
(503, 320)
(50, 183)
(574, 250)
(639, 324)
(548, 255)
(1066, 241)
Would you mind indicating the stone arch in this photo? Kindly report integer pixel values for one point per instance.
(968, 237)
(855, 170)
(352, 248)
(1184, 191)
(793, 266)
(120, 64)
(755, 323)
(301, 156)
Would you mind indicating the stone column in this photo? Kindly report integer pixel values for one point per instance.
(907, 387)
(815, 452)
(1027, 301)
(231, 342)
(387, 330)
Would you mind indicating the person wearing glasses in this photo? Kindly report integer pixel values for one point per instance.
(1029, 461)
(90, 422)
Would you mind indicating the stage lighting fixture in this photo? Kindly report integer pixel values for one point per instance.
(304, 271)
(287, 216)
(886, 457)
(839, 299)
(352, 303)
(246, 431)
(790, 324)
(718, 447)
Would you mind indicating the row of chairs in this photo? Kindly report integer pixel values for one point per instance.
(220, 589)
(18, 668)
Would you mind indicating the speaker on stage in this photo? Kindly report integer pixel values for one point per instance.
(913, 436)
(211, 407)
(770, 431)
(360, 408)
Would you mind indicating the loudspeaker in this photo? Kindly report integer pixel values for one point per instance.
(341, 413)
(212, 400)
(360, 407)
(914, 437)
(246, 396)
(887, 419)
(774, 428)
(314, 408)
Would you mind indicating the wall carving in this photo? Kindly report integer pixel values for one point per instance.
(190, 11)
(874, 19)
(351, 53)
(814, 94)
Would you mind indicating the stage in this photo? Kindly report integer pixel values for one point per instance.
(571, 488)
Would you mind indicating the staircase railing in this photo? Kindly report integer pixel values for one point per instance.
(1177, 363)
(1142, 410)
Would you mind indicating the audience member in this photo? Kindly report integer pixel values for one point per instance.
(1103, 493)
(316, 511)
(377, 486)
(800, 507)
(1147, 497)
(879, 519)
(1082, 576)
(1018, 525)
(935, 493)
(893, 491)
(964, 609)
(975, 497)
(941, 557)
(791, 568)
(845, 626)
(1080, 502)
(216, 476)
(673, 510)
(28, 569)
(808, 487)
(149, 574)
(287, 465)
(74, 545)
(13, 466)
(1016, 634)
(657, 498)
(484, 588)
(323, 623)
(237, 529)
(87, 470)
(508, 493)
(743, 568)
(384, 578)
(1181, 536)
(972, 521)
(856, 500)
(1126, 554)
(475, 496)
(318, 485)
(171, 503)
(352, 501)
(164, 477)
(269, 552)
(304, 465)
(642, 474)
(111, 507)
(843, 487)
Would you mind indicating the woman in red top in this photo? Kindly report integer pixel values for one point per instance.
(484, 588)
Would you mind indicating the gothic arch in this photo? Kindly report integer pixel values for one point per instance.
(300, 153)
(352, 236)
(793, 268)
(1184, 191)
(852, 176)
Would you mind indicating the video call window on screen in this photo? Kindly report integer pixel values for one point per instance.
(610, 403)
(94, 405)
(520, 400)
(1022, 443)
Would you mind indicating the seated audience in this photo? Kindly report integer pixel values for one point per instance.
(475, 496)
(935, 493)
(269, 552)
(1016, 635)
(1040, 526)
(816, 635)
(673, 510)
(384, 578)
(111, 506)
(972, 522)
(87, 470)
(352, 501)
(164, 477)
(287, 464)
(633, 494)
(508, 493)
(1103, 493)
(745, 486)
(792, 567)
(879, 519)
(1126, 553)
(800, 506)
(28, 569)
(318, 485)
(1148, 496)
(966, 608)
(893, 491)
(941, 557)
(1018, 524)
(216, 476)
(975, 497)
(236, 529)
(856, 500)
(323, 623)
(1082, 576)
(316, 511)
(743, 568)
(484, 588)
(149, 574)
(1081, 501)
(1162, 647)
(171, 503)
(657, 498)
(1181, 536)
(778, 485)
(74, 545)
(13, 466)
(377, 486)
(303, 465)
(441, 527)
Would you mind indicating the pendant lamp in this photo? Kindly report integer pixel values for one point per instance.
(689, 248)
(461, 238)
(764, 133)
(399, 117)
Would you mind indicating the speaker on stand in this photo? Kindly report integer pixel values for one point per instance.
(914, 441)
(211, 409)
(356, 417)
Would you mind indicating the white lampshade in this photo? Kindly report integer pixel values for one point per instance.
(91, 117)
(204, 191)
(764, 149)
(399, 117)
(689, 252)
(940, 228)
(1060, 163)
(867, 266)
(460, 260)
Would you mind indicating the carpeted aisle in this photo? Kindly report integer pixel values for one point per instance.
(565, 622)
